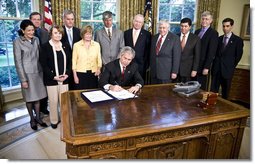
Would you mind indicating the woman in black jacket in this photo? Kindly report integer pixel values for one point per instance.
(56, 61)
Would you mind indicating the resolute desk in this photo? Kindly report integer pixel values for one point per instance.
(159, 124)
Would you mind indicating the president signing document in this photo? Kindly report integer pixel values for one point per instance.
(122, 72)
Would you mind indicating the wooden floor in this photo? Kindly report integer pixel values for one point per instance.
(19, 141)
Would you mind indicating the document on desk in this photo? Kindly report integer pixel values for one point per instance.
(123, 94)
(97, 96)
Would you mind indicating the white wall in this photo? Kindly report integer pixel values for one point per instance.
(234, 9)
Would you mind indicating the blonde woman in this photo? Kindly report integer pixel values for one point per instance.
(56, 61)
(86, 61)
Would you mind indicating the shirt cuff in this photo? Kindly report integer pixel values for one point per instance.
(107, 87)
(139, 85)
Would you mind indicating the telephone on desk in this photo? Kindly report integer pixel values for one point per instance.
(187, 89)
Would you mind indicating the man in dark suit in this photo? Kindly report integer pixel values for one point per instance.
(209, 42)
(71, 36)
(191, 47)
(140, 40)
(229, 53)
(43, 37)
(71, 33)
(122, 72)
(40, 33)
(165, 55)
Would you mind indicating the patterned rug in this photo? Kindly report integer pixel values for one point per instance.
(14, 133)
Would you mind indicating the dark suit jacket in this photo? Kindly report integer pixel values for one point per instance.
(44, 36)
(190, 55)
(142, 48)
(227, 59)
(48, 65)
(168, 59)
(76, 36)
(112, 75)
(209, 43)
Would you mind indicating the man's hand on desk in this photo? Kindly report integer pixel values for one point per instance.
(115, 88)
(134, 89)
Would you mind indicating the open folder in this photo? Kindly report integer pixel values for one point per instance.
(96, 96)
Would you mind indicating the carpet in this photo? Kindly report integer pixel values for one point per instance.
(13, 131)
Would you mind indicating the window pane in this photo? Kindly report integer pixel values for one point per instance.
(10, 54)
(11, 29)
(2, 32)
(15, 8)
(176, 13)
(189, 11)
(14, 77)
(99, 8)
(3, 55)
(4, 78)
(24, 8)
(175, 28)
(175, 10)
(86, 12)
(164, 12)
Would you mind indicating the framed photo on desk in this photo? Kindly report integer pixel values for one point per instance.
(245, 28)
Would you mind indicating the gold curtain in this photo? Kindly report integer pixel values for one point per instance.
(58, 6)
(129, 8)
(154, 15)
(208, 5)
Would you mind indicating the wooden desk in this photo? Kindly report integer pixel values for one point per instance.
(159, 124)
(240, 86)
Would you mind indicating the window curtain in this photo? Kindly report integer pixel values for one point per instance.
(58, 6)
(208, 5)
(129, 8)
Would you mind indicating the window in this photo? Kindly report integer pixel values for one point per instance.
(175, 10)
(92, 10)
(11, 13)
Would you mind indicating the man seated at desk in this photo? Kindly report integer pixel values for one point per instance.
(122, 72)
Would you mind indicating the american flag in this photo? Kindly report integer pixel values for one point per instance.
(47, 14)
(148, 16)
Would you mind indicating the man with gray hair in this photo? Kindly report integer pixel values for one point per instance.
(165, 55)
(111, 40)
(71, 33)
(209, 42)
(122, 72)
(71, 36)
(140, 40)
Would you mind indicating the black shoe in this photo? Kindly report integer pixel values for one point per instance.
(40, 122)
(33, 125)
(45, 111)
(54, 126)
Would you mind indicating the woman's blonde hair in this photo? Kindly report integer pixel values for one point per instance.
(86, 29)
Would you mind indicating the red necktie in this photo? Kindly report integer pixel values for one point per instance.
(158, 45)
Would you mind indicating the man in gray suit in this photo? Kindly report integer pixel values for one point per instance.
(111, 40)
(40, 33)
(165, 55)
(191, 48)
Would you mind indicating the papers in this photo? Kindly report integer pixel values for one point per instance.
(96, 96)
(123, 94)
